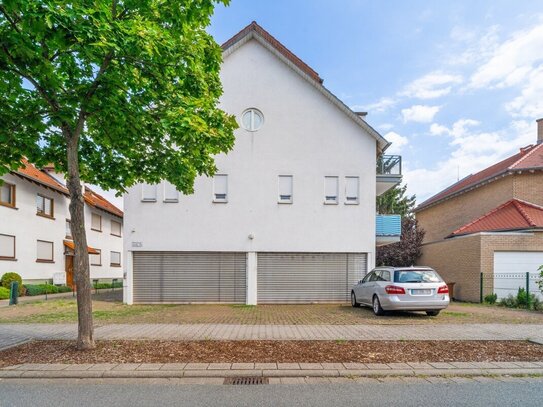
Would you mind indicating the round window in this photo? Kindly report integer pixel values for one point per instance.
(252, 119)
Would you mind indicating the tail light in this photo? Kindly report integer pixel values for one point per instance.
(394, 289)
(443, 290)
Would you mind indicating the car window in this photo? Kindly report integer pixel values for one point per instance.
(416, 276)
(367, 277)
(375, 276)
(385, 275)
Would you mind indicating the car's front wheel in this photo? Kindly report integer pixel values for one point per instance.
(353, 300)
(432, 313)
(377, 309)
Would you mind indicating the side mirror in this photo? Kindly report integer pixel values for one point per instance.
(360, 282)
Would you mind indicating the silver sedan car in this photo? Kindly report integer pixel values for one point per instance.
(402, 289)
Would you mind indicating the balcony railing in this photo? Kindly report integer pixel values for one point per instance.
(389, 165)
(388, 225)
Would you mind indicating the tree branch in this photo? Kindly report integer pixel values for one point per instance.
(10, 20)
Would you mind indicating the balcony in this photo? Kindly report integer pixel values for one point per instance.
(389, 172)
(388, 229)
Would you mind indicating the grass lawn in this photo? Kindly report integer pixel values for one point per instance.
(108, 308)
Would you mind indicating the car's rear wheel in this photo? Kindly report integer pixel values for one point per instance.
(432, 313)
(377, 309)
(353, 300)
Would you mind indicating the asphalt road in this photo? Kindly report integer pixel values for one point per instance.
(60, 393)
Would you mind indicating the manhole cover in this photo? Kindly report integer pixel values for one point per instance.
(246, 380)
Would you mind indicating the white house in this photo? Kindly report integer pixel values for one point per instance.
(290, 215)
(35, 237)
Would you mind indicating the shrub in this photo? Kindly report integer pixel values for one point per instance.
(41, 289)
(7, 278)
(100, 286)
(491, 298)
(510, 301)
(4, 293)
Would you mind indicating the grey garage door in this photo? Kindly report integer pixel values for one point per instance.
(308, 277)
(184, 277)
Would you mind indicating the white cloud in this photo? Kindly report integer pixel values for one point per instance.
(470, 46)
(438, 129)
(472, 151)
(398, 141)
(431, 85)
(386, 126)
(420, 113)
(513, 61)
(380, 106)
(530, 101)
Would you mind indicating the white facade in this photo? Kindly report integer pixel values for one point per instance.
(29, 228)
(304, 138)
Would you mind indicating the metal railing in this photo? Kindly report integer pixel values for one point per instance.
(505, 284)
(388, 225)
(389, 165)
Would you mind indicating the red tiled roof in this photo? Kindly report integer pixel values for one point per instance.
(276, 44)
(98, 201)
(512, 215)
(29, 171)
(530, 157)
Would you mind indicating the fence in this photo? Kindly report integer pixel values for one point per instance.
(504, 284)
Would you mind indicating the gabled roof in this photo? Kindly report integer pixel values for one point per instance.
(31, 173)
(512, 215)
(98, 201)
(255, 31)
(528, 158)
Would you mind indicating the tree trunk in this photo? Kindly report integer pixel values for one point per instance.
(85, 332)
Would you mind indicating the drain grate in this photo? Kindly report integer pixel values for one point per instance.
(246, 380)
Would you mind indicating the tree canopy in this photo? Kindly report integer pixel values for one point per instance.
(137, 81)
(396, 202)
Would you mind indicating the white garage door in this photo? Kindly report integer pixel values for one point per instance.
(510, 270)
(308, 277)
(186, 277)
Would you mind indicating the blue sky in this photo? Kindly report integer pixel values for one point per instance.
(455, 86)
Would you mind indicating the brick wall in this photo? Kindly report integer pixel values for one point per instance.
(529, 187)
(456, 260)
(444, 218)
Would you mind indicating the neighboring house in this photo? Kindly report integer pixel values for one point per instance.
(35, 236)
(489, 222)
(290, 214)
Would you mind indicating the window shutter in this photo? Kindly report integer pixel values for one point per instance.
(351, 189)
(170, 193)
(45, 250)
(115, 258)
(148, 193)
(7, 246)
(220, 188)
(96, 222)
(115, 228)
(331, 189)
(285, 188)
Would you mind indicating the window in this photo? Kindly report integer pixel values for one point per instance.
(7, 247)
(45, 206)
(68, 229)
(96, 222)
(45, 252)
(115, 228)
(7, 195)
(351, 190)
(252, 119)
(416, 276)
(285, 189)
(171, 194)
(331, 190)
(115, 259)
(220, 188)
(96, 259)
(148, 193)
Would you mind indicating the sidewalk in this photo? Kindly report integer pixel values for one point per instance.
(270, 370)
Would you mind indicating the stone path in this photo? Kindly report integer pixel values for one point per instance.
(270, 370)
(11, 333)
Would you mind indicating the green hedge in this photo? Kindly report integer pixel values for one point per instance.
(40, 289)
(7, 278)
(107, 285)
(4, 293)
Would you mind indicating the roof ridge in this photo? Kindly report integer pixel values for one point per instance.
(524, 214)
(467, 225)
(533, 147)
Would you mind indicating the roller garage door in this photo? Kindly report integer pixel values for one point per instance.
(184, 277)
(308, 277)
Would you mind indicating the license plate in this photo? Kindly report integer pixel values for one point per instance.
(421, 292)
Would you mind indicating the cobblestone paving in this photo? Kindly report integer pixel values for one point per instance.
(276, 332)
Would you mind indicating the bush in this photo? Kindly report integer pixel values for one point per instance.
(41, 289)
(521, 300)
(100, 286)
(4, 293)
(510, 301)
(491, 298)
(7, 278)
